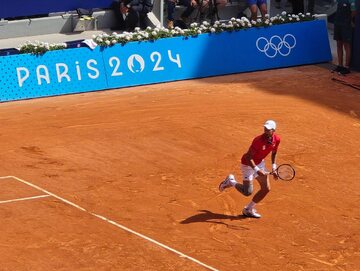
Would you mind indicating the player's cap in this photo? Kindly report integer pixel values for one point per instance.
(270, 125)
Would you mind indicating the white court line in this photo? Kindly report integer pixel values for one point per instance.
(21, 199)
(182, 255)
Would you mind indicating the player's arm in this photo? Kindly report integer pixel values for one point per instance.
(250, 160)
(273, 163)
(273, 160)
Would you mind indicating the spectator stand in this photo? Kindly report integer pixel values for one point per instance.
(234, 8)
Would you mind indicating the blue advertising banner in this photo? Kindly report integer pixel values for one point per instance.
(16, 8)
(138, 63)
(215, 54)
(54, 73)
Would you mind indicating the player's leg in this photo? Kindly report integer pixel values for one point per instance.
(262, 8)
(249, 210)
(246, 188)
(347, 47)
(347, 40)
(253, 8)
(264, 181)
(171, 4)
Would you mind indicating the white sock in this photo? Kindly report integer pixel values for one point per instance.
(232, 181)
(251, 205)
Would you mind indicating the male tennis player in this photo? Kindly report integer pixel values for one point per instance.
(253, 166)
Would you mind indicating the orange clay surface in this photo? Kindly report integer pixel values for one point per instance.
(151, 158)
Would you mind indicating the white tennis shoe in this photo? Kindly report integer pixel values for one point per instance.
(251, 213)
(226, 183)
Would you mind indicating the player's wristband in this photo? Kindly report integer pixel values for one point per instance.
(274, 167)
(256, 168)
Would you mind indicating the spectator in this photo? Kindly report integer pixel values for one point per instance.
(343, 29)
(171, 4)
(209, 8)
(131, 13)
(282, 6)
(311, 6)
(254, 5)
(297, 6)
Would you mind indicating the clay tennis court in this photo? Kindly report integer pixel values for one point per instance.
(128, 179)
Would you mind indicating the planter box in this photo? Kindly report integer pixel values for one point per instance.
(138, 63)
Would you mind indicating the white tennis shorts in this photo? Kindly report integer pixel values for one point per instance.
(249, 173)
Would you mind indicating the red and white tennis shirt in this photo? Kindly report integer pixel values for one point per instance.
(261, 147)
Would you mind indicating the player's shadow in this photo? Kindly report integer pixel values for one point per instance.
(210, 217)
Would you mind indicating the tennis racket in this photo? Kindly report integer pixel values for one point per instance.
(285, 172)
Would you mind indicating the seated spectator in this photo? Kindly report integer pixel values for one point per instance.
(131, 13)
(205, 8)
(171, 4)
(254, 5)
(311, 6)
(279, 4)
(297, 6)
(209, 9)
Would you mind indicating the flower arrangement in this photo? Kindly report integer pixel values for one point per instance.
(152, 34)
(195, 29)
(39, 47)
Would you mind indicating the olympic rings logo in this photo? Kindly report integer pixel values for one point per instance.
(276, 45)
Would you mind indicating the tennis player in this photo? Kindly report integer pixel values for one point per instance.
(253, 166)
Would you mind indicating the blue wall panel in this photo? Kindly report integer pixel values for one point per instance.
(139, 63)
(207, 55)
(54, 73)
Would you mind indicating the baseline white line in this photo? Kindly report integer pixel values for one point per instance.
(182, 255)
(21, 199)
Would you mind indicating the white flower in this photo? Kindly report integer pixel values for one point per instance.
(212, 30)
(245, 19)
(137, 29)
